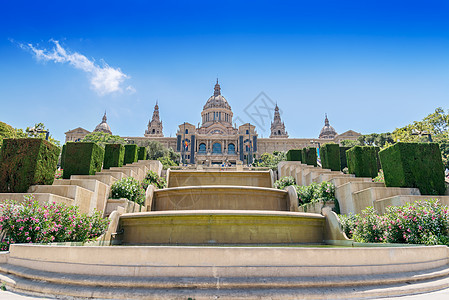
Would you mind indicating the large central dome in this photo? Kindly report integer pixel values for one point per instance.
(217, 100)
(216, 110)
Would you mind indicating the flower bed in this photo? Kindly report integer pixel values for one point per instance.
(31, 222)
(423, 222)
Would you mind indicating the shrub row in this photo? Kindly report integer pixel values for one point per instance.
(294, 155)
(82, 159)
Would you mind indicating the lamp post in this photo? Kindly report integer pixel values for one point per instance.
(421, 133)
(35, 131)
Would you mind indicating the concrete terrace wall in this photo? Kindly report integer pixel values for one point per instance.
(178, 178)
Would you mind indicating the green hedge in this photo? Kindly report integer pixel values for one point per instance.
(417, 165)
(142, 155)
(27, 162)
(82, 159)
(131, 154)
(294, 155)
(114, 155)
(362, 161)
(378, 158)
(330, 157)
(309, 156)
(62, 156)
(343, 160)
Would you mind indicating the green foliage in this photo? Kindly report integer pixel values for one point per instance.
(130, 189)
(271, 161)
(415, 165)
(315, 192)
(102, 138)
(31, 222)
(114, 155)
(284, 182)
(373, 139)
(294, 155)
(6, 132)
(167, 162)
(309, 156)
(82, 158)
(131, 154)
(380, 177)
(62, 156)
(343, 160)
(142, 153)
(423, 222)
(153, 179)
(362, 161)
(26, 162)
(155, 150)
(330, 157)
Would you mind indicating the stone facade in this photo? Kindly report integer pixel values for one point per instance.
(216, 140)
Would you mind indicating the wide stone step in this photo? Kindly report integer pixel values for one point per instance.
(340, 180)
(129, 172)
(345, 193)
(400, 200)
(118, 175)
(224, 272)
(367, 197)
(100, 191)
(220, 227)
(82, 197)
(318, 177)
(42, 198)
(106, 179)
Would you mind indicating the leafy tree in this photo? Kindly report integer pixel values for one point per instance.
(103, 138)
(32, 132)
(6, 132)
(373, 139)
(155, 150)
(271, 160)
(167, 162)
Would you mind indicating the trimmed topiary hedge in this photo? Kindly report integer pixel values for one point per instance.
(114, 155)
(142, 155)
(330, 157)
(309, 156)
(417, 165)
(362, 161)
(294, 155)
(62, 156)
(82, 159)
(27, 162)
(131, 154)
(343, 160)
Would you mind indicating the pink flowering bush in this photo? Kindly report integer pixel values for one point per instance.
(31, 222)
(423, 222)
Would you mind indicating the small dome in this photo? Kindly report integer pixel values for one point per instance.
(103, 126)
(327, 132)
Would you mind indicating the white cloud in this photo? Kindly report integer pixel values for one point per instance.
(103, 79)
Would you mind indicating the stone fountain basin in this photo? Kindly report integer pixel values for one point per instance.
(199, 227)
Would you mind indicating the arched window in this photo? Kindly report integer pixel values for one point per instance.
(202, 148)
(231, 149)
(216, 148)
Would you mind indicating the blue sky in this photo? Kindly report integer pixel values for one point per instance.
(372, 66)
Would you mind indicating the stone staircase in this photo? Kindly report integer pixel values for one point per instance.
(89, 192)
(354, 194)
